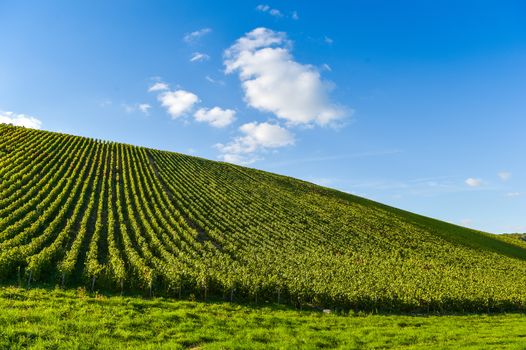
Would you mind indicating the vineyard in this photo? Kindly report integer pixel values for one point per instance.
(82, 212)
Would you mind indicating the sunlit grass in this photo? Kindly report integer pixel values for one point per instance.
(74, 319)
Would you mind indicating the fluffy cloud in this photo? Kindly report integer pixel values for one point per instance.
(263, 8)
(256, 137)
(193, 36)
(216, 116)
(178, 102)
(267, 135)
(159, 86)
(275, 12)
(181, 102)
(238, 159)
(144, 107)
(472, 182)
(199, 57)
(504, 175)
(269, 10)
(273, 82)
(20, 120)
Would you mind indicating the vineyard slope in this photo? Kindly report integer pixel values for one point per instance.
(76, 211)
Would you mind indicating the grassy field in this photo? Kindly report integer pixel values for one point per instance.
(74, 319)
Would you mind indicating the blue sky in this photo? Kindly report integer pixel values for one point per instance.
(417, 104)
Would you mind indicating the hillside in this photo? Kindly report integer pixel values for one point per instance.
(82, 212)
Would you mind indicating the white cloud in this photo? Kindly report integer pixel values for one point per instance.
(20, 120)
(216, 116)
(326, 67)
(256, 137)
(193, 36)
(513, 194)
(199, 57)
(269, 10)
(472, 182)
(274, 82)
(105, 103)
(263, 8)
(144, 107)
(504, 175)
(158, 86)
(266, 135)
(295, 15)
(214, 81)
(328, 40)
(275, 13)
(128, 108)
(238, 158)
(178, 102)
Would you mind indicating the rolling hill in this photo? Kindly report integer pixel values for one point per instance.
(110, 216)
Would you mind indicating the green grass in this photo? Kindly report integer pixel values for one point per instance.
(74, 319)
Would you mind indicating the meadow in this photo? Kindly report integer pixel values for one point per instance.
(51, 318)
